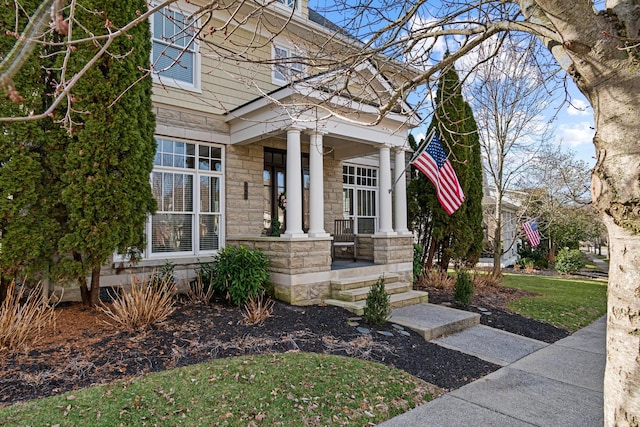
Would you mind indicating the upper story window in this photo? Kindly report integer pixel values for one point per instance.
(289, 66)
(175, 56)
(293, 4)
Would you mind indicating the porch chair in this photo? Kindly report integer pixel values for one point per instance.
(344, 236)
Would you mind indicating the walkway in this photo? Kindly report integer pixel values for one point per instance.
(555, 385)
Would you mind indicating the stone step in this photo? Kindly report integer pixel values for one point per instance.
(403, 299)
(347, 283)
(433, 321)
(359, 294)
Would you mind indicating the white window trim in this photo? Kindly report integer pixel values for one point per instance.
(197, 62)
(195, 252)
(291, 51)
(355, 187)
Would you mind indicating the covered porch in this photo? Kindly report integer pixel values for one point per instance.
(302, 268)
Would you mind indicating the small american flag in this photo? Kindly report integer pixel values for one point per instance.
(531, 230)
(432, 162)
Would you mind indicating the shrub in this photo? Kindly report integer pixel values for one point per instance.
(438, 279)
(200, 292)
(378, 305)
(145, 305)
(257, 310)
(485, 279)
(464, 288)
(201, 289)
(238, 273)
(541, 263)
(569, 261)
(418, 250)
(22, 319)
(164, 276)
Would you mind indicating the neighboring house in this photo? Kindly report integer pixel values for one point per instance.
(510, 219)
(230, 152)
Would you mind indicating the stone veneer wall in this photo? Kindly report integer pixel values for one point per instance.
(244, 163)
(393, 250)
(300, 268)
(332, 192)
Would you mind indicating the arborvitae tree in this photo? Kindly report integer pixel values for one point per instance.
(110, 154)
(474, 191)
(29, 152)
(458, 236)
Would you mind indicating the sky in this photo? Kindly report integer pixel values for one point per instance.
(574, 128)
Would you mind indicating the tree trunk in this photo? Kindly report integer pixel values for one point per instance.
(431, 255)
(82, 282)
(616, 192)
(497, 236)
(94, 296)
(622, 374)
(4, 287)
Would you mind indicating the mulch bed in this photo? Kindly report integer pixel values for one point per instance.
(82, 350)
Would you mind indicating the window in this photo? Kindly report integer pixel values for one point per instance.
(274, 177)
(186, 182)
(288, 65)
(293, 4)
(175, 55)
(359, 197)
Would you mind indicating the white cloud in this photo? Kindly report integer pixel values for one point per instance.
(576, 135)
(578, 107)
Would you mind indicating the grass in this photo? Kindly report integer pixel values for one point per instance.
(276, 390)
(567, 303)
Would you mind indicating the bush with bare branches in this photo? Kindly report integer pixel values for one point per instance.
(23, 317)
(438, 279)
(146, 304)
(483, 279)
(257, 309)
(199, 292)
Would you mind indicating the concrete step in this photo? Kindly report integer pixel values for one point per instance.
(360, 294)
(432, 321)
(344, 284)
(403, 299)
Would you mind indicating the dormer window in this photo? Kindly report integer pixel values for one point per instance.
(288, 65)
(175, 56)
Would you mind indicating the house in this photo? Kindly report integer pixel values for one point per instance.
(243, 146)
(511, 214)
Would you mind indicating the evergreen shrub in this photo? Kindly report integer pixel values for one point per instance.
(378, 306)
(464, 287)
(238, 273)
(569, 261)
(418, 250)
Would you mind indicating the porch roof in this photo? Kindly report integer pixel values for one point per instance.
(308, 105)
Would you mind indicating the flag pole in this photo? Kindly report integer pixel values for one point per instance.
(416, 153)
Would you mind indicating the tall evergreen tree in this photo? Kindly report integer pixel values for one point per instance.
(30, 156)
(458, 236)
(110, 155)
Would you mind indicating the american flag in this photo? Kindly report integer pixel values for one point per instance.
(531, 230)
(432, 162)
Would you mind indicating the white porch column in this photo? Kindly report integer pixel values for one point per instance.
(400, 193)
(293, 184)
(386, 227)
(316, 186)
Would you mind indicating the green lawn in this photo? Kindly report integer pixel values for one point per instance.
(567, 303)
(290, 389)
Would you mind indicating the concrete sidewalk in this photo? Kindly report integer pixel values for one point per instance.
(556, 385)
